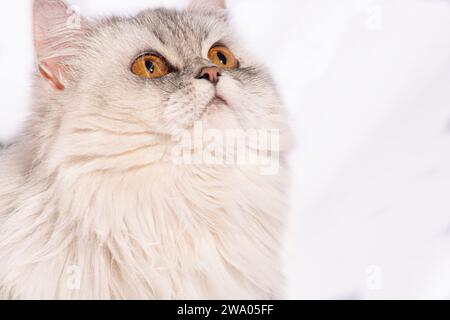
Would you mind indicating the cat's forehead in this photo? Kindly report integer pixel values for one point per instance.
(170, 32)
(185, 26)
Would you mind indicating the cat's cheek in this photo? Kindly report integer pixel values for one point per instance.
(202, 94)
(231, 91)
(203, 88)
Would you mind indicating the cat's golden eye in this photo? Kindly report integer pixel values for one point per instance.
(150, 66)
(223, 57)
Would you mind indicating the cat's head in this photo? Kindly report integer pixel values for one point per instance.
(120, 84)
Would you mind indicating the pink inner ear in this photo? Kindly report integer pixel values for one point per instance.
(49, 17)
(54, 39)
(49, 74)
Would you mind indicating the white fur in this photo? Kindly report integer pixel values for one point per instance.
(89, 189)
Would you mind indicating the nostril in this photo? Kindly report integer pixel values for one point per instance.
(211, 74)
(205, 76)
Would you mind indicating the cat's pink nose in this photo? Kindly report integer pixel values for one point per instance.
(211, 74)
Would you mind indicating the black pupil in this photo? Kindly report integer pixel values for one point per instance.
(222, 58)
(150, 66)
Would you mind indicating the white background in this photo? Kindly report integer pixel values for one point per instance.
(368, 86)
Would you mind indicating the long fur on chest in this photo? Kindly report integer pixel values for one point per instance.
(165, 231)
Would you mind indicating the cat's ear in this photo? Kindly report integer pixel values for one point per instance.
(57, 30)
(199, 5)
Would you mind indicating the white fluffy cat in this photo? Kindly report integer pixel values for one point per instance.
(92, 203)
